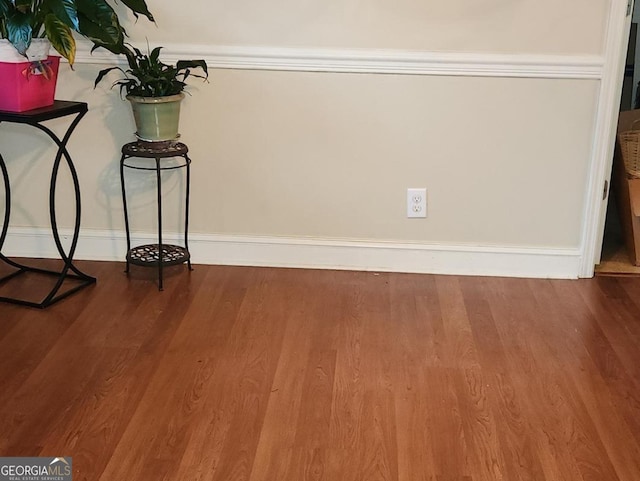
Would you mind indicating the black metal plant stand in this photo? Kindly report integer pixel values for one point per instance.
(157, 255)
(35, 118)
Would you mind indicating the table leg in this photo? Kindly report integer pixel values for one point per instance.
(5, 222)
(186, 212)
(67, 257)
(126, 212)
(160, 248)
(7, 202)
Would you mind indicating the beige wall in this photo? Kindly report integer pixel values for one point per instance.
(329, 155)
(532, 26)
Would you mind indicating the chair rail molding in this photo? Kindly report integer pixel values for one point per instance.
(604, 68)
(405, 62)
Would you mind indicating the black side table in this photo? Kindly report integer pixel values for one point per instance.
(35, 118)
(160, 254)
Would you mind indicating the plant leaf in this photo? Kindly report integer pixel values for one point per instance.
(5, 5)
(19, 31)
(102, 74)
(66, 11)
(155, 54)
(99, 23)
(108, 36)
(96, 10)
(139, 6)
(136, 51)
(60, 36)
(188, 64)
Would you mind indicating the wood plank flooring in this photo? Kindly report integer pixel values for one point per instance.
(256, 374)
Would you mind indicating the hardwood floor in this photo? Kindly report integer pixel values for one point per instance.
(258, 374)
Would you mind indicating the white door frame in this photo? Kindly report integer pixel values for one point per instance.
(614, 59)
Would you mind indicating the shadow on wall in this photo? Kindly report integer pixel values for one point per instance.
(141, 185)
(25, 157)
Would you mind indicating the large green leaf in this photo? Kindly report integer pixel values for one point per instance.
(19, 31)
(139, 6)
(66, 11)
(60, 36)
(154, 56)
(98, 11)
(99, 23)
(5, 5)
(110, 37)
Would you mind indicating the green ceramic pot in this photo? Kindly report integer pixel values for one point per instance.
(157, 118)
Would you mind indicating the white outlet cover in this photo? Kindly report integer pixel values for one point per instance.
(417, 202)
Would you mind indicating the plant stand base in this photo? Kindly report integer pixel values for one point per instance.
(157, 255)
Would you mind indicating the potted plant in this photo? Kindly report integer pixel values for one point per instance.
(21, 21)
(155, 90)
(28, 28)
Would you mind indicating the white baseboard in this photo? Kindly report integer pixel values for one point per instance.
(318, 253)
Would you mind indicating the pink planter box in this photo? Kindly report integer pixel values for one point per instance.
(23, 86)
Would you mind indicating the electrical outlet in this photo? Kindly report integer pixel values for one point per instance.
(417, 202)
